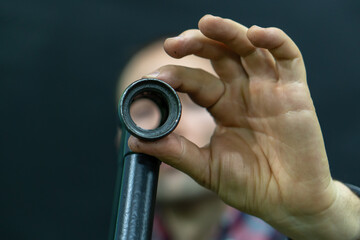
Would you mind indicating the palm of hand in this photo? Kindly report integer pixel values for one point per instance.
(268, 146)
(267, 153)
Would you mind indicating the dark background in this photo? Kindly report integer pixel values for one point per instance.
(59, 61)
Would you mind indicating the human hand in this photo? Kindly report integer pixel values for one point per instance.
(266, 156)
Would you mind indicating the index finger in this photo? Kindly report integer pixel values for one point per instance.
(203, 88)
(220, 98)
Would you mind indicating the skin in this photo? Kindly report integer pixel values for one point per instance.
(266, 156)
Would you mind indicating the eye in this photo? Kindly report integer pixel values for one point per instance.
(145, 114)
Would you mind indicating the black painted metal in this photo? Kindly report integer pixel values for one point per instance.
(137, 177)
(137, 197)
(123, 150)
(161, 94)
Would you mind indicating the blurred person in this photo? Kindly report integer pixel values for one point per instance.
(260, 149)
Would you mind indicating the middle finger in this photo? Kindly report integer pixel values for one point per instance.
(226, 63)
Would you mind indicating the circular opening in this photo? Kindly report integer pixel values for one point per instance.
(145, 113)
(149, 109)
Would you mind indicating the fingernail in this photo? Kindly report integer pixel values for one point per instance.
(152, 75)
(178, 37)
(256, 26)
(211, 15)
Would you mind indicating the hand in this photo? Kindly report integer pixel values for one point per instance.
(266, 156)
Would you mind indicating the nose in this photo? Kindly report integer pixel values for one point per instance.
(188, 126)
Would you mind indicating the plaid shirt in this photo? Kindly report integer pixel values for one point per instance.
(234, 225)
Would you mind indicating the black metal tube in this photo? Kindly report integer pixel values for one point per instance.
(137, 197)
(135, 193)
(122, 151)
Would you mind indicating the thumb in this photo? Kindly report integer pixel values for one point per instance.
(179, 153)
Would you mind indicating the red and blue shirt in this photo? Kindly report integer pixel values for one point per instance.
(234, 225)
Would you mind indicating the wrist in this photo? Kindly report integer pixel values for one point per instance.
(340, 221)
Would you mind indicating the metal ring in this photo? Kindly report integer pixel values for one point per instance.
(163, 95)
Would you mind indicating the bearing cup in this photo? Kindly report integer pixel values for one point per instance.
(163, 95)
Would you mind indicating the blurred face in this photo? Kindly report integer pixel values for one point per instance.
(196, 124)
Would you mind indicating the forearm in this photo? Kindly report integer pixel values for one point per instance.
(340, 221)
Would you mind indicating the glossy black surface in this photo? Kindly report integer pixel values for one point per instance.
(137, 197)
